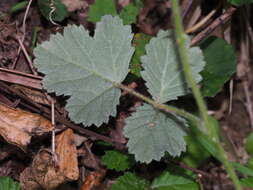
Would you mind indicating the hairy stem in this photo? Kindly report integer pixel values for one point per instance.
(180, 36)
(164, 107)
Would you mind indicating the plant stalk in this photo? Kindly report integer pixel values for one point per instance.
(164, 107)
(180, 37)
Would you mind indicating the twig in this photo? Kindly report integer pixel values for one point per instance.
(217, 22)
(187, 9)
(22, 78)
(47, 113)
(27, 57)
(248, 103)
(200, 23)
(53, 124)
(231, 87)
(194, 170)
(24, 32)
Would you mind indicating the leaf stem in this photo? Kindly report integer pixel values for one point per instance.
(180, 36)
(164, 107)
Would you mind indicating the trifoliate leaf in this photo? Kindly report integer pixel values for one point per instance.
(85, 68)
(116, 160)
(60, 12)
(130, 181)
(139, 42)
(101, 8)
(162, 69)
(129, 13)
(7, 183)
(168, 181)
(152, 132)
(220, 65)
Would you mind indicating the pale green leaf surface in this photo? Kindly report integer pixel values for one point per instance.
(152, 132)
(162, 69)
(130, 181)
(84, 68)
(168, 181)
(6, 183)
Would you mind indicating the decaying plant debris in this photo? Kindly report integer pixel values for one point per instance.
(26, 124)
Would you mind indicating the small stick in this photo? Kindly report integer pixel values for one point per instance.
(24, 32)
(231, 87)
(248, 103)
(59, 118)
(53, 123)
(217, 22)
(190, 2)
(194, 170)
(27, 57)
(200, 23)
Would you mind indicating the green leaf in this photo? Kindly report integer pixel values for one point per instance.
(129, 13)
(6, 183)
(116, 160)
(85, 68)
(204, 139)
(139, 42)
(101, 8)
(18, 6)
(250, 163)
(243, 169)
(220, 65)
(200, 146)
(240, 2)
(247, 182)
(249, 144)
(59, 14)
(152, 132)
(168, 181)
(162, 69)
(139, 3)
(195, 154)
(130, 181)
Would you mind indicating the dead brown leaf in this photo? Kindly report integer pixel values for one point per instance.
(93, 180)
(66, 149)
(18, 126)
(35, 95)
(48, 174)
